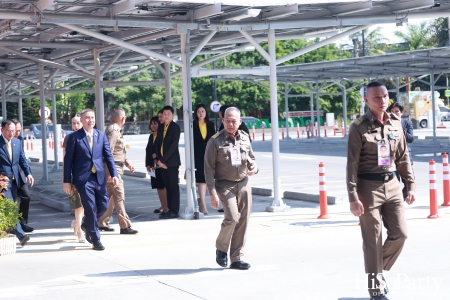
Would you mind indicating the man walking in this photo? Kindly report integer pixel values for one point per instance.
(168, 159)
(12, 157)
(23, 192)
(374, 190)
(229, 160)
(86, 150)
(116, 193)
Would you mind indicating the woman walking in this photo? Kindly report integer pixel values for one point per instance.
(74, 197)
(203, 131)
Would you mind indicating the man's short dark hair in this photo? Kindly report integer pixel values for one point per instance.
(396, 104)
(15, 121)
(374, 83)
(7, 123)
(383, 146)
(223, 108)
(168, 107)
(160, 111)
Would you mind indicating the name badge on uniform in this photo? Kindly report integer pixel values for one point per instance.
(235, 156)
(384, 158)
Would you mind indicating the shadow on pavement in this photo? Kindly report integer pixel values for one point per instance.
(156, 272)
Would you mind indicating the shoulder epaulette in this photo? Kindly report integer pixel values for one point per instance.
(394, 116)
(216, 135)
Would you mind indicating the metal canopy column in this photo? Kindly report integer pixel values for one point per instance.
(167, 82)
(45, 179)
(433, 103)
(277, 204)
(318, 109)
(187, 116)
(20, 106)
(286, 105)
(3, 99)
(344, 108)
(56, 131)
(311, 105)
(99, 101)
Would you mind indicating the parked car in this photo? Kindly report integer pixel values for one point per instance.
(37, 131)
(444, 113)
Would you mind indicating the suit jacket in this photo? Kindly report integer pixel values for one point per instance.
(409, 134)
(11, 168)
(199, 142)
(79, 158)
(171, 157)
(149, 150)
(242, 127)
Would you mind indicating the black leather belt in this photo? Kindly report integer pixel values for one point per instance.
(239, 180)
(118, 163)
(381, 177)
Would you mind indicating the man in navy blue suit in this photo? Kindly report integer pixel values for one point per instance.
(86, 150)
(11, 157)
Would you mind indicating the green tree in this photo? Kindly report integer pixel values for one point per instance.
(417, 36)
(439, 32)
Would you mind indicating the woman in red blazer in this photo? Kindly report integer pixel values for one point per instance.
(203, 131)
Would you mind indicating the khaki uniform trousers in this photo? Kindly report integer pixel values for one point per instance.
(117, 201)
(236, 199)
(381, 200)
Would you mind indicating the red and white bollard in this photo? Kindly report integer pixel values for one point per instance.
(446, 180)
(433, 192)
(263, 134)
(323, 193)
(315, 125)
(253, 132)
(325, 128)
(282, 133)
(335, 126)
(343, 128)
(26, 142)
(298, 131)
(31, 143)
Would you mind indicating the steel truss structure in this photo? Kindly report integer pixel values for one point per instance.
(47, 42)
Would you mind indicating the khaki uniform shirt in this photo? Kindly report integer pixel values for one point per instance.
(218, 158)
(115, 138)
(364, 136)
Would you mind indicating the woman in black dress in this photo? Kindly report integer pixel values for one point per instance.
(157, 182)
(203, 131)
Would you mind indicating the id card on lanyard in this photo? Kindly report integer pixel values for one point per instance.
(235, 156)
(384, 158)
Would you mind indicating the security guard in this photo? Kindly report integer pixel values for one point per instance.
(374, 191)
(117, 194)
(229, 160)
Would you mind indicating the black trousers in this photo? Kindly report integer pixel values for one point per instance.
(170, 178)
(23, 193)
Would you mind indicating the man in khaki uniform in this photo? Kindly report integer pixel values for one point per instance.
(374, 191)
(229, 160)
(116, 193)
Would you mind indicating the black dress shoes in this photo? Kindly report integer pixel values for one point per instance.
(168, 215)
(240, 265)
(128, 230)
(24, 240)
(379, 297)
(98, 246)
(86, 235)
(26, 228)
(220, 210)
(106, 228)
(221, 258)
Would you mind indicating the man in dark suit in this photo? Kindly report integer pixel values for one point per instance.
(11, 157)
(23, 192)
(168, 159)
(407, 126)
(86, 150)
